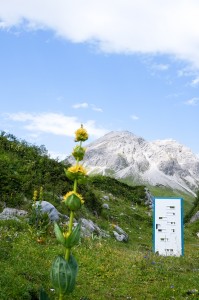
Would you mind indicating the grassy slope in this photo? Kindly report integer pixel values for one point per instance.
(107, 269)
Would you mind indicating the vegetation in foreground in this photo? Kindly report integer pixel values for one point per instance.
(107, 269)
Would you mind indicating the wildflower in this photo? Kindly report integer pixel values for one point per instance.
(66, 234)
(78, 153)
(73, 200)
(81, 135)
(35, 195)
(64, 270)
(77, 169)
(41, 193)
(71, 193)
(76, 172)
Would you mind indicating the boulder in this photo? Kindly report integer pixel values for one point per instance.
(12, 214)
(149, 197)
(89, 228)
(120, 234)
(53, 213)
(105, 205)
(105, 197)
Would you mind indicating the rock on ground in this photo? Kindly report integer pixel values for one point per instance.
(12, 214)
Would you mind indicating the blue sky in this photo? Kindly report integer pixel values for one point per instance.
(111, 65)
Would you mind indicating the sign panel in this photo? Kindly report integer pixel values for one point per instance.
(168, 239)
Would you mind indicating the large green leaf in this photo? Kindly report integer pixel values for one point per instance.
(74, 269)
(63, 274)
(73, 238)
(59, 234)
(43, 295)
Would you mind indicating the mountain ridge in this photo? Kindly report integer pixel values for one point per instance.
(123, 154)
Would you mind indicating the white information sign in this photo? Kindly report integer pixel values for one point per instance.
(168, 237)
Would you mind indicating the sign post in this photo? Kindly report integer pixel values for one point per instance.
(168, 238)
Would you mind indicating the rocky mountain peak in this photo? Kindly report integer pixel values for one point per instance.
(122, 154)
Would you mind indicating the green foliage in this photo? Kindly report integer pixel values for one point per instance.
(69, 241)
(64, 269)
(119, 189)
(43, 295)
(194, 208)
(108, 269)
(39, 222)
(63, 274)
(92, 203)
(24, 167)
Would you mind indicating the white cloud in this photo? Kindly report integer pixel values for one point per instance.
(192, 102)
(53, 123)
(195, 81)
(86, 105)
(95, 108)
(120, 26)
(160, 67)
(80, 105)
(134, 117)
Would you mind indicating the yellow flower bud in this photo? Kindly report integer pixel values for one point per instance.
(78, 152)
(73, 200)
(35, 195)
(81, 134)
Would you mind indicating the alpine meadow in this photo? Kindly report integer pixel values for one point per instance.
(114, 253)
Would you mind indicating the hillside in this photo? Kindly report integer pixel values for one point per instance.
(25, 168)
(108, 269)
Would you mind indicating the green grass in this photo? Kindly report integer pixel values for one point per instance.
(107, 269)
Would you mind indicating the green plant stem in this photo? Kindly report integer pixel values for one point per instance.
(75, 186)
(71, 221)
(61, 297)
(67, 255)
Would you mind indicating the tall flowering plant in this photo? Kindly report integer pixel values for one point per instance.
(64, 268)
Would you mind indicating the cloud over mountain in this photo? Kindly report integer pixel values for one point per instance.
(58, 124)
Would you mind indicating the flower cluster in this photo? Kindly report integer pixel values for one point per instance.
(35, 195)
(81, 135)
(64, 270)
(76, 172)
